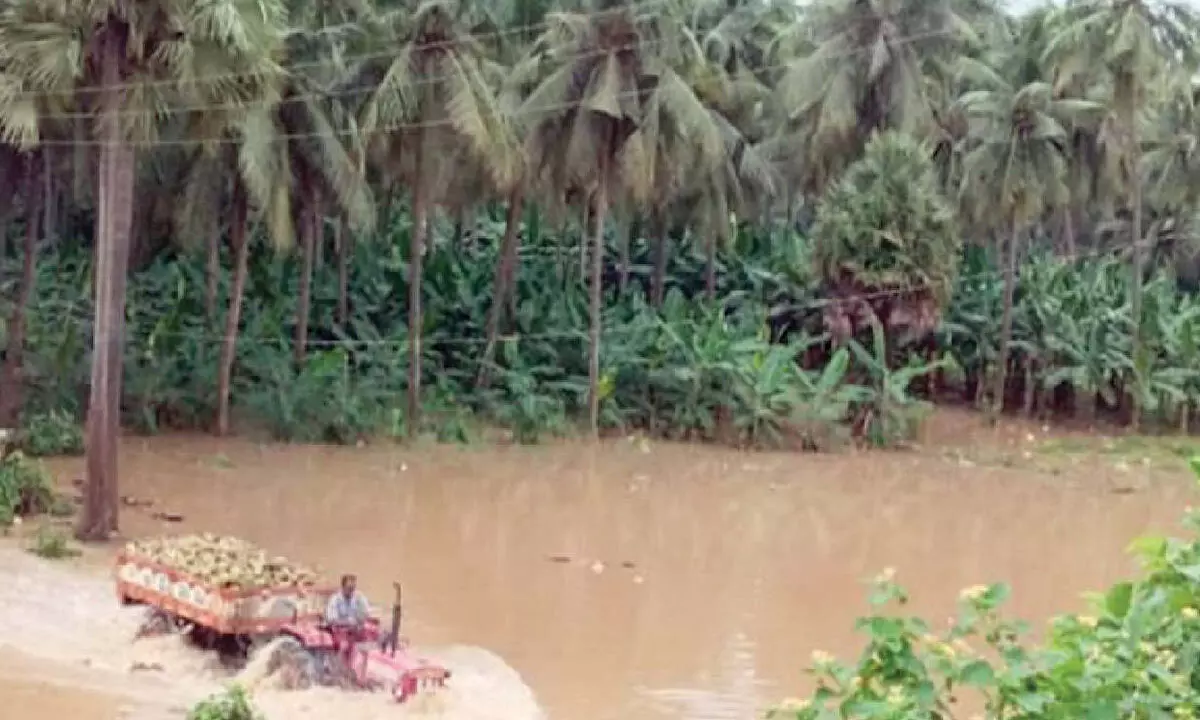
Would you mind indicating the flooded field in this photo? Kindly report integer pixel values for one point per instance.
(632, 580)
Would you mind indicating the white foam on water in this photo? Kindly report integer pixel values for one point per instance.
(72, 617)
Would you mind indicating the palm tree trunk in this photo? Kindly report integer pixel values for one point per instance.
(49, 195)
(588, 229)
(710, 267)
(595, 291)
(658, 281)
(212, 270)
(11, 376)
(342, 240)
(627, 234)
(117, 166)
(241, 250)
(503, 283)
(415, 279)
(1139, 259)
(1006, 322)
(1069, 232)
(308, 240)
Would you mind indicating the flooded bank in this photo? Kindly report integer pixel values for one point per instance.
(644, 580)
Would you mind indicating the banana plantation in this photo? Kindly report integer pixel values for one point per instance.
(755, 222)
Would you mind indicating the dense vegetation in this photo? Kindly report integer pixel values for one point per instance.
(1133, 655)
(751, 220)
(25, 489)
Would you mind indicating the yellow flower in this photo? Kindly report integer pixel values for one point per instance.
(973, 593)
(896, 695)
(793, 704)
(1189, 613)
(820, 658)
(1088, 621)
(888, 575)
(856, 682)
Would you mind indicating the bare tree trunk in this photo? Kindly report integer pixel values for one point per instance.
(504, 281)
(596, 292)
(233, 319)
(342, 240)
(49, 194)
(99, 519)
(212, 271)
(626, 239)
(584, 241)
(415, 279)
(11, 374)
(710, 266)
(658, 281)
(1069, 232)
(1006, 321)
(1139, 260)
(308, 240)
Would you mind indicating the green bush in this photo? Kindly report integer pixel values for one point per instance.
(52, 544)
(25, 488)
(886, 223)
(232, 704)
(1136, 654)
(52, 433)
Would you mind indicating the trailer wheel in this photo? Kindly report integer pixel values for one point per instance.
(156, 623)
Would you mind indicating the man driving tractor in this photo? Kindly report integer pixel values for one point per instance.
(347, 614)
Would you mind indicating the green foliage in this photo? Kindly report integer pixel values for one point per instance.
(1073, 329)
(51, 433)
(692, 369)
(25, 488)
(752, 368)
(889, 414)
(232, 704)
(886, 223)
(51, 544)
(1134, 656)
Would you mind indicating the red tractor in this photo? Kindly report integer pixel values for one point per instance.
(310, 653)
(286, 622)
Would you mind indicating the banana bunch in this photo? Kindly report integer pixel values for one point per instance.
(221, 561)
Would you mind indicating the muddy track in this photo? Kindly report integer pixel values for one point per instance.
(64, 629)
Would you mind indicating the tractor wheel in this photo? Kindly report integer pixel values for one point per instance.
(292, 664)
(155, 623)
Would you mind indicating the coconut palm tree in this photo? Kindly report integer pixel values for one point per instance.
(128, 62)
(1015, 168)
(582, 117)
(435, 106)
(24, 121)
(29, 167)
(1131, 41)
(863, 70)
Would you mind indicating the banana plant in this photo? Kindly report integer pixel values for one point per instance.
(825, 402)
(889, 414)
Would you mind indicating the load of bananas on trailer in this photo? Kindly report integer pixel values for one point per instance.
(222, 561)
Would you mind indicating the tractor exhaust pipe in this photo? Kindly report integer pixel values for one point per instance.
(393, 638)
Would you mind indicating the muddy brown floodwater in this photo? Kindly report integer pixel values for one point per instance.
(641, 580)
